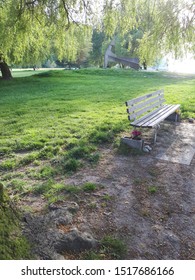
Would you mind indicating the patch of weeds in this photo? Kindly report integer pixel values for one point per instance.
(92, 255)
(17, 186)
(111, 248)
(93, 158)
(71, 165)
(46, 172)
(92, 205)
(114, 247)
(4, 151)
(101, 137)
(71, 143)
(11, 175)
(107, 197)
(79, 152)
(8, 164)
(54, 199)
(20, 146)
(57, 189)
(37, 162)
(8, 176)
(43, 188)
(54, 190)
(48, 152)
(72, 189)
(152, 189)
(89, 187)
(28, 159)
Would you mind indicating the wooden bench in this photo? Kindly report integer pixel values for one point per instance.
(149, 111)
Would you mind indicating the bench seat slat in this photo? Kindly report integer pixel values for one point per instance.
(155, 117)
(142, 120)
(162, 116)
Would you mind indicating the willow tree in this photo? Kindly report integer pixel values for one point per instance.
(164, 26)
(30, 30)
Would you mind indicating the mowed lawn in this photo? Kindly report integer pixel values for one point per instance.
(52, 123)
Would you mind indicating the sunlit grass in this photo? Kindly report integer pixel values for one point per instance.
(52, 123)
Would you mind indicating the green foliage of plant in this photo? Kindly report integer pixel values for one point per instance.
(111, 248)
(89, 187)
(152, 189)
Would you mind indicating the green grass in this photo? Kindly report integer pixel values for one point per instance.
(62, 117)
(54, 123)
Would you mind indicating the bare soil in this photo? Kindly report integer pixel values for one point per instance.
(147, 202)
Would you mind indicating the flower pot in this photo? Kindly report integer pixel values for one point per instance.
(133, 143)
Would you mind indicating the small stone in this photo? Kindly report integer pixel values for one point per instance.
(75, 241)
(146, 150)
(148, 147)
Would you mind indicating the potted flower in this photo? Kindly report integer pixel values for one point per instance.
(136, 135)
(134, 141)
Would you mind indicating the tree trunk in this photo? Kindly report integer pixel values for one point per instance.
(6, 73)
(145, 65)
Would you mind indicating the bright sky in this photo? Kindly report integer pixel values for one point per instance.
(185, 65)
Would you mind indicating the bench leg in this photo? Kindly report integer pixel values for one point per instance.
(155, 132)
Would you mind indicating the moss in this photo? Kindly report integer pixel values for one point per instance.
(1, 192)
(13, 245)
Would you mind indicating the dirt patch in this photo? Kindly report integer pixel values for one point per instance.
(147, 202)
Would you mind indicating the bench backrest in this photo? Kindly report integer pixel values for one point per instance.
(140, 105)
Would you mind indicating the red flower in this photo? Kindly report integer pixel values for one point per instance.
(135, 134)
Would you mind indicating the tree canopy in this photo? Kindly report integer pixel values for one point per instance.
(30, 30)
(161, 26)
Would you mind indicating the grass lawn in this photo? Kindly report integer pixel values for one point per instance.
(52, 123)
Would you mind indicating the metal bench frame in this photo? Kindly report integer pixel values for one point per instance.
(149, 111)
